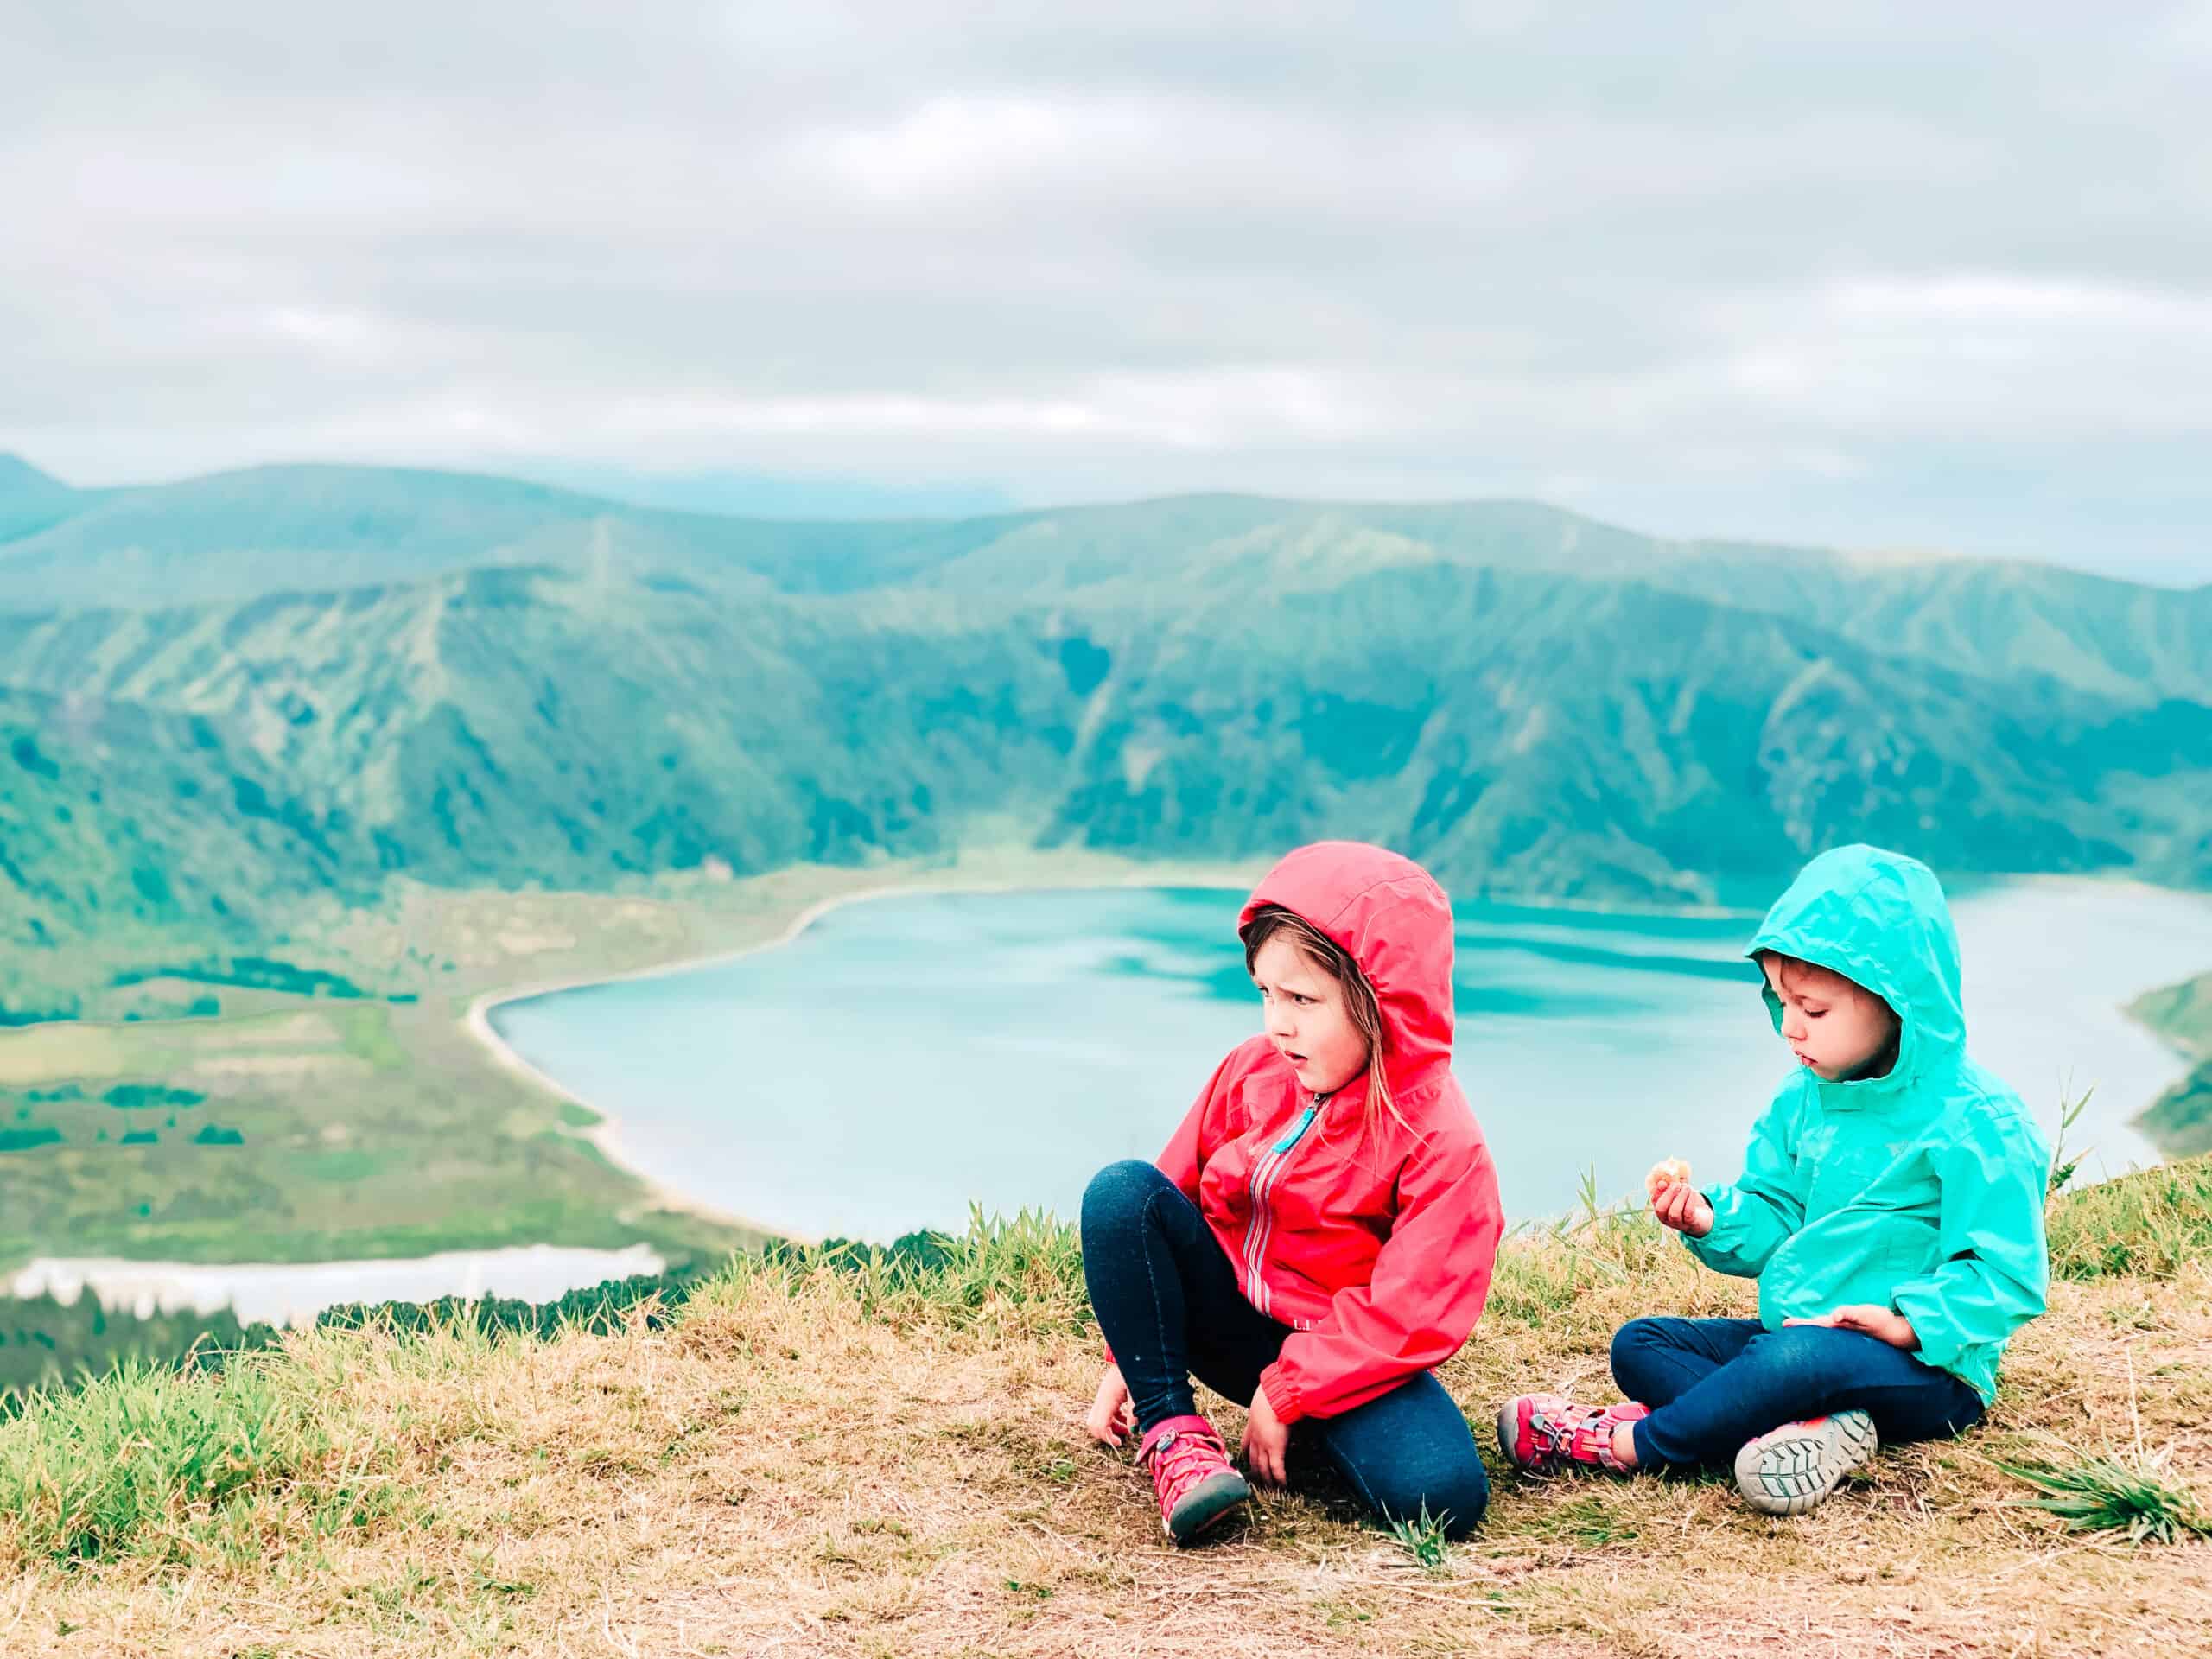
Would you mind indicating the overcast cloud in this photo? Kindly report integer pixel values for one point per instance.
(1916, 274)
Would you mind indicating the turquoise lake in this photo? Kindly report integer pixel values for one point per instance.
(909, 1054)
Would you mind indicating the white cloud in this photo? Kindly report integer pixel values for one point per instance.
(1998, 298)
(1692, 266)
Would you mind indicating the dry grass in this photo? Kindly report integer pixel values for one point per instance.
(814, 1461)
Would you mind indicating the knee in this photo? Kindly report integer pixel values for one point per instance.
(1630, 1343)
(1120, 1191)
(1794, 1353)
(1455, 1493)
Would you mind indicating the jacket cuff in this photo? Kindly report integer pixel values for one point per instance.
(1718, 1249)
(1282, 1394)
(1922, 1307)
(1715, 1242)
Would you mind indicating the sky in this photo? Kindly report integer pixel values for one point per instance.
(1904, 276)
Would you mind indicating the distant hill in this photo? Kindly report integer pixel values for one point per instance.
(272, 530)
(243, 686)
(244, 535)
(31, 500)
(2181, 1119)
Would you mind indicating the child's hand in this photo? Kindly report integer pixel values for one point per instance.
(1266, 1439)
(1886, 1323)
(1111, 1414)
(1682, 1207)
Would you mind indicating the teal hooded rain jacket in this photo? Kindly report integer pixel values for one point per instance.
(1921, 1190)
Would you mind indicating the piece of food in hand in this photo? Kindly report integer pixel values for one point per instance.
(1664, 1174)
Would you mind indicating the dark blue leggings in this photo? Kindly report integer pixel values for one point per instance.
(1713, 1385)
(1167, 1299)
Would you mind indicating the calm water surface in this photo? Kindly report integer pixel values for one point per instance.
(907, 1055)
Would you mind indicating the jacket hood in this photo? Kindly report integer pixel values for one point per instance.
(1391, 918)
(1878, 919)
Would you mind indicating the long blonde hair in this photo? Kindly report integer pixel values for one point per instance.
(1272, 921)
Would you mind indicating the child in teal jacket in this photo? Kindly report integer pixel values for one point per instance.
(1891, 1207)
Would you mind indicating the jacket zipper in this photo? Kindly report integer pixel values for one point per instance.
(1265, 1174)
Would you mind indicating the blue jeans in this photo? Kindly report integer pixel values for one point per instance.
(1713, 1385)
(1166, 1297)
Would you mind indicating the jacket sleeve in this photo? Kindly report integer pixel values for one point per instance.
(1184, 1159)
(1764, 1205)
(1428, 1285)
(1994, 1273)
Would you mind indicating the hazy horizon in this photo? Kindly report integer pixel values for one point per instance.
(798, 498)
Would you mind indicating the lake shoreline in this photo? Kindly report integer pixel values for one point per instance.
(606, 1135)
(655, 1166)
(296, 1293)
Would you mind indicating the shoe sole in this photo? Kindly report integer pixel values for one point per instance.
(1509, 1434)
(1206, 1505)
(1792, 1469)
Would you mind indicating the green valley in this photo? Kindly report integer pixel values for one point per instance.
(336, 676)
(296, 762)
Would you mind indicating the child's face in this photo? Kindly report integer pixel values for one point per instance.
(1832, 1024)
(1304, 1014)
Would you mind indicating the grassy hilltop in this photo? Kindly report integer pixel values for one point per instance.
(867, 1459)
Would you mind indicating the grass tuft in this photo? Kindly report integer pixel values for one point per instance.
(1017, 1276)
(160, 1466)
(1422, 1538)
(2133, 1493)
(2150, 1224)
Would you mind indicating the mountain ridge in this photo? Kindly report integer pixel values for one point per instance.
(1535, 702)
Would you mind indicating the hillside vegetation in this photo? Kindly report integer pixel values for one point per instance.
(222, 697)
(241, 1108)
(2180, 1120)
(863, 1455)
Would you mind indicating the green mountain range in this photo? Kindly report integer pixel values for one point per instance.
(222, 696)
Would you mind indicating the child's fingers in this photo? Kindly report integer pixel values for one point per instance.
(1874, 1321)
(1263, 1457)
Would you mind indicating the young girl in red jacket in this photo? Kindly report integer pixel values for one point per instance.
(1318, 1237)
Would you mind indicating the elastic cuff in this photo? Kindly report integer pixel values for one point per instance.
(1938, 1349)
(1639, 1436)
(1282, 1395)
